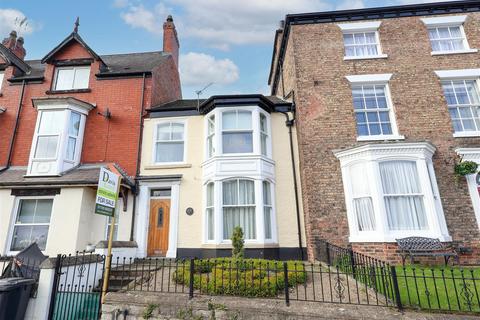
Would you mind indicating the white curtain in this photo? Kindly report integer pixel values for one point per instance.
(362, 201)
(403, 195)
(239, 208)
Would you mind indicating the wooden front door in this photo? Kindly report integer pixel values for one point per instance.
(158, 227)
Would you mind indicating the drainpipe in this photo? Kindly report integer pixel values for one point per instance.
(139, 154)
(17, 121)
(290, 123)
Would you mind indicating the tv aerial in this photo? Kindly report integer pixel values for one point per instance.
(200, 92)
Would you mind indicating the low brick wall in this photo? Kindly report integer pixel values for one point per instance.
(178, 307)
(389, 252)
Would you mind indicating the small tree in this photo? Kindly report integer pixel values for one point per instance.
(237, 242)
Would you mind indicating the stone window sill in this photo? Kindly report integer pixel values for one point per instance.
(380, 56)
(168, 166)
(441, 53)
(68, 91)
(381, 138)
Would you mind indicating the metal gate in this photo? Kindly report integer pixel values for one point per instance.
(77, 287)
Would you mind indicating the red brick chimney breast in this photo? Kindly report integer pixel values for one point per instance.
(14, 44)
(170, 39)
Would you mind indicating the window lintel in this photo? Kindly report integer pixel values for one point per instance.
(444, 21)
(359, 26)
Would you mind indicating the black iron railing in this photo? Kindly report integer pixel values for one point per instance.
(341, 276)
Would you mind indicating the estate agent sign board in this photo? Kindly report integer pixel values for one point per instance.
(107, 193)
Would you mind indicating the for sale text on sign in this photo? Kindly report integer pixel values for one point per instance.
(107, 193)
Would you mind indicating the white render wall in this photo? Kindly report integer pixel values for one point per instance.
(73, 223)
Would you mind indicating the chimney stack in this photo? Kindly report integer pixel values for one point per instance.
(170, 39)
(14, 44)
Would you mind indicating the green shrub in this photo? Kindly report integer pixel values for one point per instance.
(242, 277)
(238, 242)
(466, 167)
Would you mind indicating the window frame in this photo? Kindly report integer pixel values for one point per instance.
(74, 68)
(472, 154)
(259, 211)
(62, 144)
(155, 141)
(218, 137)
(362, 28)
(374, 154)
(14, 215)
(459, 75)
(380, 80)
(251, 130)
(448, 22)
(2, 76)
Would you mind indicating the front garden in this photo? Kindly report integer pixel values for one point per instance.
(241, 277)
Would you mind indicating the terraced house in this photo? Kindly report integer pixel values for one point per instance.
(210, 165)
(387, 103)
(61, 119)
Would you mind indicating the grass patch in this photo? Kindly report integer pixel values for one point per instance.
(438, 288)
(241, 277)
(421, 287)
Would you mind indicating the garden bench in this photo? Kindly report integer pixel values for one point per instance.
(427, 247)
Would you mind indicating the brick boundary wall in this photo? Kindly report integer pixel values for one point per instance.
(178, 307)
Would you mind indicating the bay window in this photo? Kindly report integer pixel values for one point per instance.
(237, 131)
(169, 142)
(402, 195)
(239, 202)
(239, 208)
(391, 192)
(473, 180)
(71, 78)
(267, 209)
(31, 224)
(209, 211)
(58, 138)
(211, 136)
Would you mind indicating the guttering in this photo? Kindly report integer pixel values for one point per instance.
(15, 128)
(425, 9)
(139, 157)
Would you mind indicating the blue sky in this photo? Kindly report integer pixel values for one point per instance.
(225, 42)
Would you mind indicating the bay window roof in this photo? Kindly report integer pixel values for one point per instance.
(185, 107)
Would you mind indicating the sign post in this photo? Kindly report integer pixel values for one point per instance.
(105, 204)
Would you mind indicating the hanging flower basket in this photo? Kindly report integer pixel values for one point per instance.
(465, 168)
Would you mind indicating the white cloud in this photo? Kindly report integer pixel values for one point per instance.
(221, 23)
(10, 19)
(350, 4)
(138, 16)
(120, 3)
(199, 69)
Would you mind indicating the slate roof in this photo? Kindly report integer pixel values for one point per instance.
(83, 175)
(193, 104)
(116, 65)
(13, 59)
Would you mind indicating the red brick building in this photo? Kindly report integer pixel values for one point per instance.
(62, 118)
(387, 102)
